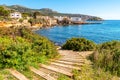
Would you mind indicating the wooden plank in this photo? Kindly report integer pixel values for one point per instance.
(51, 73)
(17, 74)
(67, 66)
(42, 74)
(74, 57)
(57, 70)
(72, 60)
(70, 63)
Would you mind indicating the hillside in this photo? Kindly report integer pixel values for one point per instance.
(49, 12)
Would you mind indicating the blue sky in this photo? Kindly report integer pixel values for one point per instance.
(107, 9)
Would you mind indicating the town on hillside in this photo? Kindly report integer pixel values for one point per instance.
(35, 20)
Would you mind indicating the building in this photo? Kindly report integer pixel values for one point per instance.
(16, 15)
(76, 19)
(59, 18)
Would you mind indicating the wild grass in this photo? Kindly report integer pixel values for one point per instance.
(107, 57)
(89, 73)
(63, 77)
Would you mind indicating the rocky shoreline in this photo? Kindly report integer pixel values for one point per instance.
(37, 26)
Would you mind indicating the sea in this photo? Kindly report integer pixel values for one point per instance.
(108, 30)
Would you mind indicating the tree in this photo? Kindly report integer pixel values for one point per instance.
(4, 12)
(32, 21)
(25, 15)
(35, 14)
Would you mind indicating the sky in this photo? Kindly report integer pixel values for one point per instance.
(106, 9)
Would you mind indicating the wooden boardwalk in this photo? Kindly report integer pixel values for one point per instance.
(69, 60)
(17, 74)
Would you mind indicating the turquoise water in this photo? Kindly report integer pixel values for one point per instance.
(99, 33)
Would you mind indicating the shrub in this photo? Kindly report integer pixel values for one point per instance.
(107, 56)
(21, 20)
(40, 43)
(23, 48)
(4, 12)
(15, 53)
(79, 44)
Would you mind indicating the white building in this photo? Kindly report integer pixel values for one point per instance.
(59, 18)
(76, 19)
(16, 15)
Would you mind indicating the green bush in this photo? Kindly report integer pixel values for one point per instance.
(21, 20)
(79, 44)
(107, 56)
(4, 12)
(40, 44)
(14, 53)
(23, 48)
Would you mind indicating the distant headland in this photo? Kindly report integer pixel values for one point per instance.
(17, 15)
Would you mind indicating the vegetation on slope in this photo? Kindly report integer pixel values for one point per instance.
(89, 73)
(21, 48)
(79, 44)
(4, 12)
(107, 57)
(95, 19)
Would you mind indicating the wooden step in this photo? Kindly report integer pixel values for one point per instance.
(73, 57)
(73, 60)
(50, 72)
(57, 70)
(42, 74)
(17, 74)
(76, 59)
(69, 63)
(62, 68)
(67, 66)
